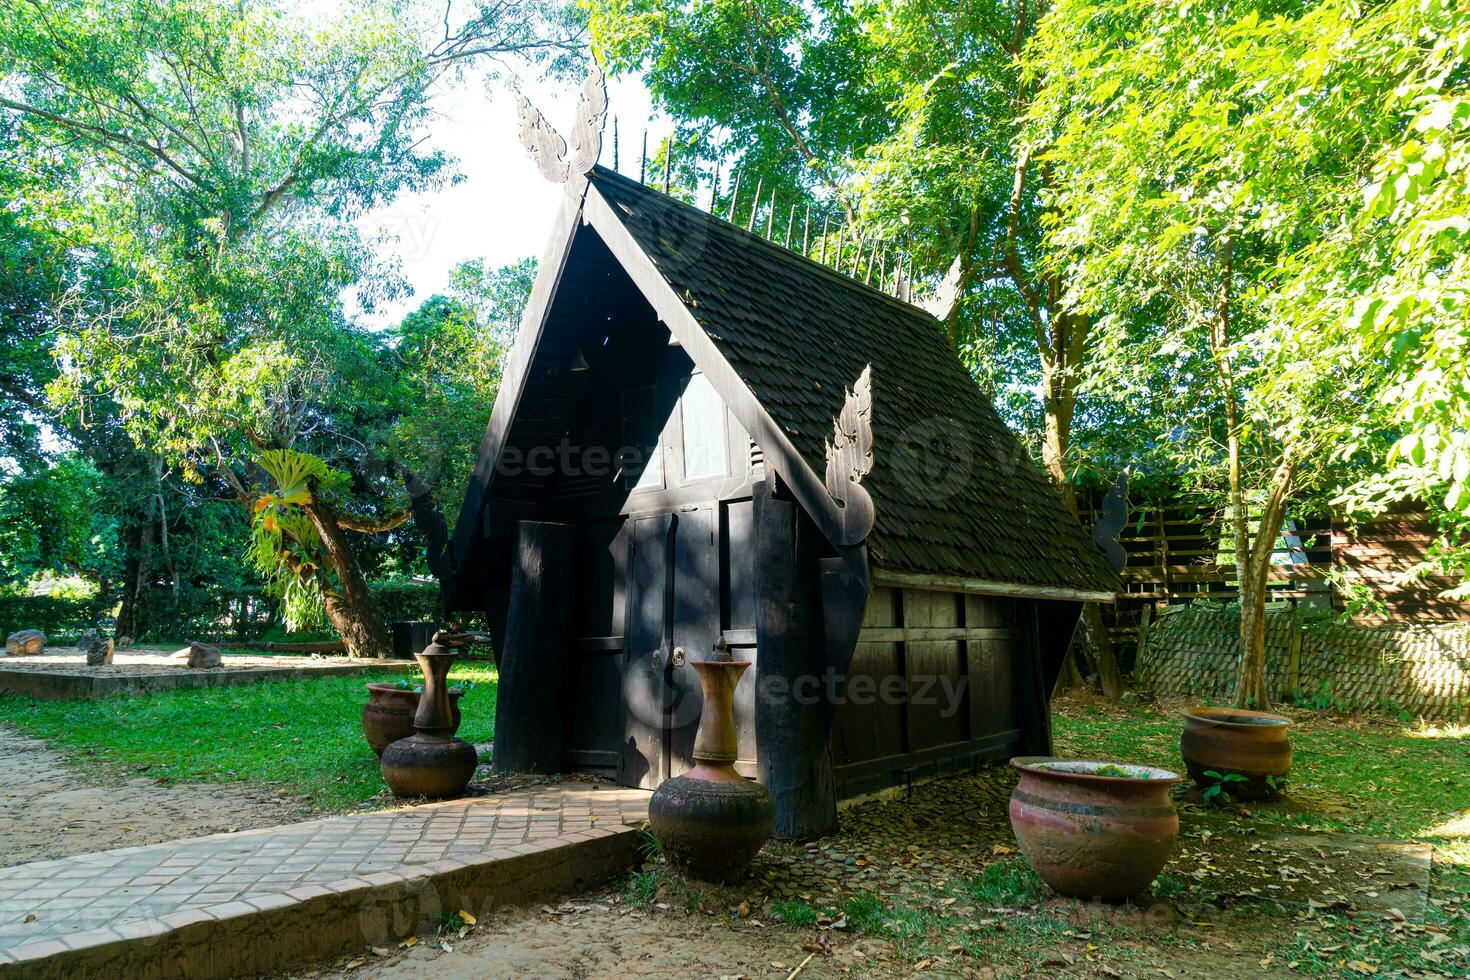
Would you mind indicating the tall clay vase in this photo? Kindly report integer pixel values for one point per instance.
(431, 762)
(1094, 830)
(1231, 742)
(711, 821)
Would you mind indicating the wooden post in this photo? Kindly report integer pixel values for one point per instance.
(1294, 665)
(528, 708)
(791, 712)
(1145, 620)
(1052, 625)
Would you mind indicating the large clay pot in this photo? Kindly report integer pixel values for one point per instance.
(388, 714)
(1090, 835)
(711, 821)
(431, 762)
(1233, 741)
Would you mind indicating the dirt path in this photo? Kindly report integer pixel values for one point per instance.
(600, 939)
(49, 809)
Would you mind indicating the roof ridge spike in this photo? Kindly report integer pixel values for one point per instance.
(734, 196)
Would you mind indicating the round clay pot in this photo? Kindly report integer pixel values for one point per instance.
(1228, 741)
(711, 821)
(433, 766)
(388, 714)
(1093, 836)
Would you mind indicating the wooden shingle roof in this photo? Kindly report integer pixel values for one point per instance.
(956, 492)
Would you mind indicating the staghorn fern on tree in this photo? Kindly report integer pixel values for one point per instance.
(285, 547)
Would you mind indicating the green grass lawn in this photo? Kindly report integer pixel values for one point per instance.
(300, 736)
(1349, 776)
(1362, 777)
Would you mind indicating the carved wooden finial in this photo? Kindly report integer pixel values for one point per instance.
(850, 458)
(1110, 524)
(941, 302)
(546, 145)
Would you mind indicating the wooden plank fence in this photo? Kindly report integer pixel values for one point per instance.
(1180, 551)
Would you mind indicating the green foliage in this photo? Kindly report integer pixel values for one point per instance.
(642, 887)
(54, 521)
(1297, 188)
(185, 178)
(1214, 793)
(1008, 882)
(285, 547)
(54, 615)
(794, 912)
(401, 599)
(443, 371)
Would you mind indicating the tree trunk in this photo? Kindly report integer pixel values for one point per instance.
(350, 607)
(1060, 400)
(1250, 683)
(127, 611)
(138, 570)
(1251, 558)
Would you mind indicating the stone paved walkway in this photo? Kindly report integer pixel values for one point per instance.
(95, 900)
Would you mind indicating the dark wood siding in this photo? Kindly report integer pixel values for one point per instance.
(960, 657)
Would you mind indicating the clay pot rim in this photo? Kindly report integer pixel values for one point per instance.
(389, 688)
(1237, 718)
(1043, 765)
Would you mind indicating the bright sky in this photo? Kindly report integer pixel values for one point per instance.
(503, 209)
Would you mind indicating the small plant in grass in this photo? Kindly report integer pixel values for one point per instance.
(642, 887)
(1214, 793)
(458, 687)
(649, 846)
(794, 912)
(1167, 886)
(1008, 883)
(864, 912)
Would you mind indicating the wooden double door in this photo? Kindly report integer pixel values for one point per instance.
(672, 617)
(656, 591)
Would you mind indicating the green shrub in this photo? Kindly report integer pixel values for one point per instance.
(54, 615)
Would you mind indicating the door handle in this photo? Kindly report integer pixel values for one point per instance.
(658, 658)
(678, 660)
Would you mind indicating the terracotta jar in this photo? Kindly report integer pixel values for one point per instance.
(1093, 835)
(388, 714)
(1236, 742)
(431, 762)
(711, 821)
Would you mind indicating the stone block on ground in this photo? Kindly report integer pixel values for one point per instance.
(97, 648)
(25, 643)
(198, 654)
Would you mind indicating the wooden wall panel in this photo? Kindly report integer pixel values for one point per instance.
(992, 673)
(935, 668)
(868, 728)
(975, 648)
(738, 557)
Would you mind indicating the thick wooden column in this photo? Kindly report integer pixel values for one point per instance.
(1050, 626)
(529, 735)
(791, 713)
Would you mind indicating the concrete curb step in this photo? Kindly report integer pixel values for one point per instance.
(273, 932)
(72, 686)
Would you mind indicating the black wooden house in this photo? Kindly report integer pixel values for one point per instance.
(679, 454)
